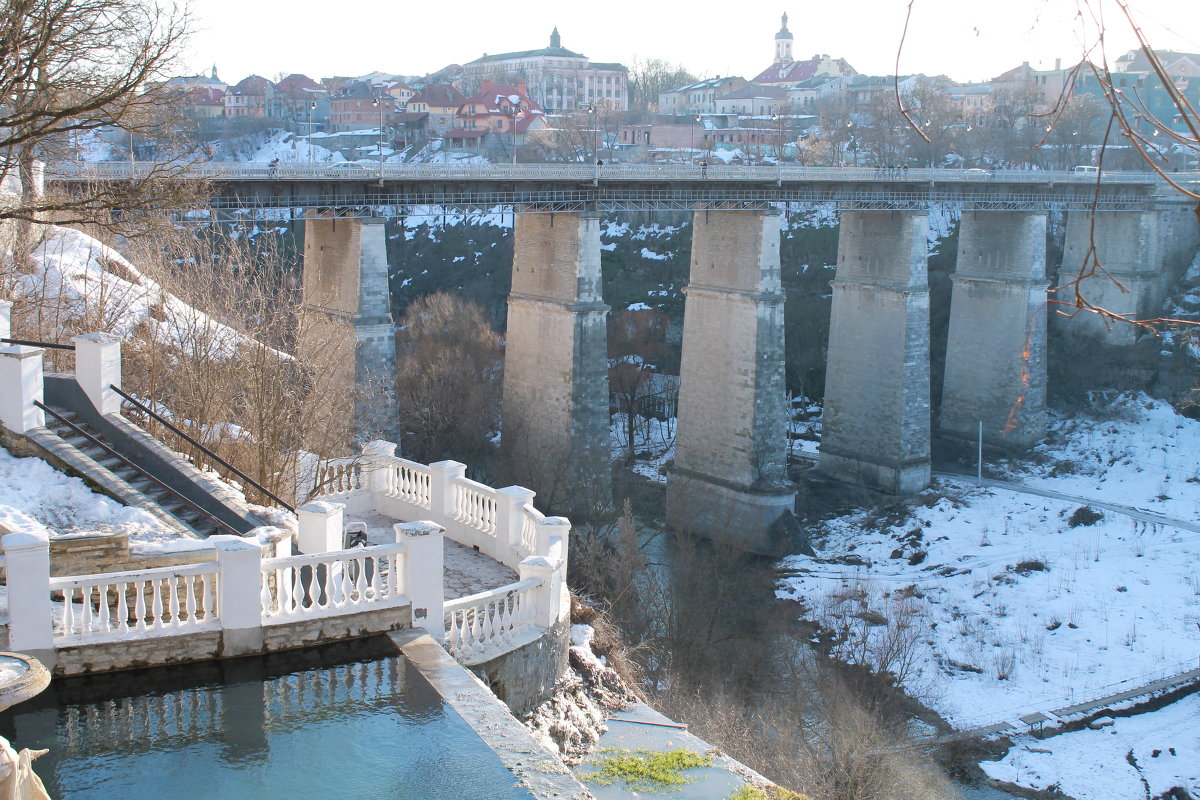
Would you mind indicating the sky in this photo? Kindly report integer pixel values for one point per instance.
(968, 40)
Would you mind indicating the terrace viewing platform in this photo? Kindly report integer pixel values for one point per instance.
(382, 544)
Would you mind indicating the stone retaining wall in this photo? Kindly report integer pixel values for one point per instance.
(524, 678)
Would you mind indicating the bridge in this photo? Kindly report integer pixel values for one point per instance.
(367, 189)
(729, 479)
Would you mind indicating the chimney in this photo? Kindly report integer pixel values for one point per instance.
(1057, 64)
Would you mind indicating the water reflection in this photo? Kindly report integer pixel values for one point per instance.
(253, 728)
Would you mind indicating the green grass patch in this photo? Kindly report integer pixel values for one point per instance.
(751, 792)
(647, 770)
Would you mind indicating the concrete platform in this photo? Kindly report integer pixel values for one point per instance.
(466, 571)
(643, 728)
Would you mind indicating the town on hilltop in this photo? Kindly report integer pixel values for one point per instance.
(555, 104)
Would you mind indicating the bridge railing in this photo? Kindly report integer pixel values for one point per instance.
(369, 171)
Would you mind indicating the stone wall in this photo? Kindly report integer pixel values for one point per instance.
(525, 677)
(209, 645)
(110, 552)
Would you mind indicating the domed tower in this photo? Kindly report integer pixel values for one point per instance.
(555, 39)
(783, 44)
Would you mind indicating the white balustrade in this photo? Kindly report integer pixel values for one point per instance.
(120, 605)
(494, 620)
(407, 480)
(329, 584)
(475, 505)
(339, 476)
(529, 531)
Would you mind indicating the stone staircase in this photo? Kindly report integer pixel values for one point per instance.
(123, 478)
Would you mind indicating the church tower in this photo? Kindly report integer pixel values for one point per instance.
(783, 44)
(555, 39)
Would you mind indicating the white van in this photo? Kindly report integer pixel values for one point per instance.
(1085, 170)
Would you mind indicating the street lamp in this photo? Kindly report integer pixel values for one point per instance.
(692, 137)
(378, 103)
(308, 126)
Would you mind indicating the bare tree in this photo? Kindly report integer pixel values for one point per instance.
(448, 371)
(70, 68)
(636, 345)
(651, 76)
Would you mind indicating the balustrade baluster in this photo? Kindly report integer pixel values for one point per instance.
(345, 584)
(476, 626)
(264, 592)
(190, 597)
(107, 623)
(173, 600)
(122, 609)
(68, 611)
(298, 590)
(377, 578)
(360, 579)
(139, 605)
(86, 627)
(157, 602)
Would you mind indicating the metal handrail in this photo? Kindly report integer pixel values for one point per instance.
(202, 448)
(140, 470)
(30, 343)
(587, 172)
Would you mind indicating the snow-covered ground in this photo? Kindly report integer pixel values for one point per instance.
(1029, 600)
(79, 279)
(1023, 603)
(63, 504)
(1136, 757)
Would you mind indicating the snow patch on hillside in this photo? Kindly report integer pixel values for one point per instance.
(1140, 756)
(1027, 603)
(78, 278)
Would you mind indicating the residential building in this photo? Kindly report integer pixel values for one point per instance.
(557, 78)
(249, 98)
(697, 98)
(300, 100)
(361, 105)
(440, 103)
(753, 100)
(496, 119)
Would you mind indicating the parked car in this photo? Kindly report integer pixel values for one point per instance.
(975, 173)
(345, 169)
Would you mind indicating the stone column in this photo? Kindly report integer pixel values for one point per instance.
(30, 614)
(239, 583)
(996, 353)
(1128, 248)
(98, 369)
(729, 479)
(875, 428)
(348, 330)
(556, 363)
(423, 571)
(22, 381)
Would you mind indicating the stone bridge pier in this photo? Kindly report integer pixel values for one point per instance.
(729, 481)
(555, 414)
(875, 429)
(347, 331)
(996, 352)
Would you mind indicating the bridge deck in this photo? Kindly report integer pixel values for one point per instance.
(390, 189)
